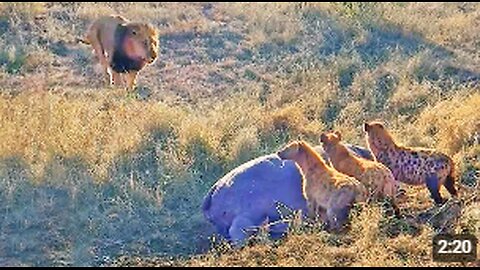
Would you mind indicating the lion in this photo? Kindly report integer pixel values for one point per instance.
(413, 166)
(327, 190)
(123, 48)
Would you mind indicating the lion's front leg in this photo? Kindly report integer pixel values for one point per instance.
(115, 78)
(102, 59)
(131, 80)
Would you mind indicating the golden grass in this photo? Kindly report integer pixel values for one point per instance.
(173, 17)
(266, 22)
(365, 244)
(22, 10)
(38, 126)
(455, 122)
(442, 23)
(100, 126)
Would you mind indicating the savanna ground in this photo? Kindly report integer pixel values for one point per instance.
(91, 176)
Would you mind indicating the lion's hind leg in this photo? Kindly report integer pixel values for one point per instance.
(98, 50)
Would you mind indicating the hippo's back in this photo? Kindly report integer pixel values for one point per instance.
(360, 151)
(355, 149)
(253, 188)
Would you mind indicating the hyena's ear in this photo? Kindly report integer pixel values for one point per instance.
(366, 126)
(338, 134)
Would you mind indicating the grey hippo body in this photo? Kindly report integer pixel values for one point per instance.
(355, 149)
(247, 197)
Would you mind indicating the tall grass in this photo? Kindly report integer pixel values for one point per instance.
(89, 175)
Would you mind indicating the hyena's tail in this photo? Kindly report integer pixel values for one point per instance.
(450, 181)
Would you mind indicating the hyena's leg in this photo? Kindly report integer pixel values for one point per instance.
(316, 211)
(322, 214)
(450, 186)
(434, 188)
(390, 204)
(391, 188)
(337, 217)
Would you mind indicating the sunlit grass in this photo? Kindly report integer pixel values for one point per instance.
(106, 174)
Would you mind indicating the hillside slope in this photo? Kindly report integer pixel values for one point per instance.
(90, 176)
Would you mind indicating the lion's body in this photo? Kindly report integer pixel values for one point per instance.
(413, 166)
(327, 190)
(123, 48)
(378, 179)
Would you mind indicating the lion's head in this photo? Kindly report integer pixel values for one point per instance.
(140, 42)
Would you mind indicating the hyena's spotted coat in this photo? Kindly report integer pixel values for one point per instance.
(413, 166)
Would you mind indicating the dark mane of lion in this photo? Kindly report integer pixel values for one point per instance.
(121, 63)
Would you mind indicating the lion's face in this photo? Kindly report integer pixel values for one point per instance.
(141, 42)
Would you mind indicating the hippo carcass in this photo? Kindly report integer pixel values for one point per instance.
(247, 197)
(355, 149)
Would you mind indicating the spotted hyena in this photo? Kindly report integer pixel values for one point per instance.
(374, 175)
(329, 193)
(413, 166)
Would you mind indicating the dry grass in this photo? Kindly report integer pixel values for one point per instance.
(364, 245)
(86, 171)
(22, 10)
(97, 128)
(39, 126)
(451, 24)
(173, 17)
(266, 22)
(454, 123)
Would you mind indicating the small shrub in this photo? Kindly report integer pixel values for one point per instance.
(12, 59)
